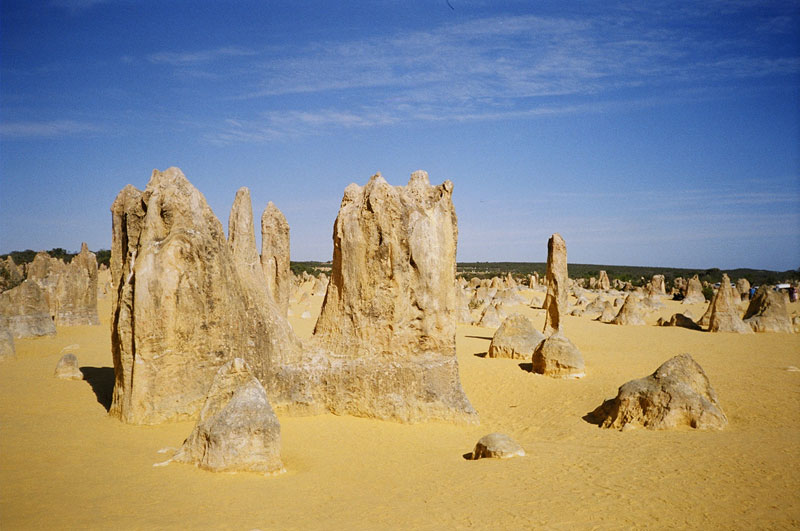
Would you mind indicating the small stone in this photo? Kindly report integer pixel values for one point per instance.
(67, 368)
(558, 357)
(498, 446)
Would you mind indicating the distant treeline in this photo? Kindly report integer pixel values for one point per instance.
(27, 256)
(636, 275)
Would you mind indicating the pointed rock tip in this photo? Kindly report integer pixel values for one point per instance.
(173, 173)
(377, 178)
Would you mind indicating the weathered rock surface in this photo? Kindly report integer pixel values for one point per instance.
(608, 314)
(242, 243)
(659, 284)
(74, 300)
(497, 445)
(25, 312)
(556, 300)
(631, 313)
(67, 368)
(705, 319)
(681, 320)
(603, 283)
(516, 338)
(7, 350)
(743, 287)
(11, 274)
(175, 277)
(275, 255)
(677, 394)
(767, 312)
(694, 291)
(70, 289)
(558, 357)
(491, 317)
(384, 345)
(725, 312)
(237, 430)
(389, 315)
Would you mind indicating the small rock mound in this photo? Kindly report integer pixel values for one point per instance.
(67, 368)
(558, 357)
(516, 338)
(677, 394)
(497, 445)
(694, 291)
(491, 318)
(631, 313)
(608, 314)
(237, 429)
(681, 320)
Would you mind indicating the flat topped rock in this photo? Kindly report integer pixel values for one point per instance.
(516, 338)
(498, 446)
(67, 368)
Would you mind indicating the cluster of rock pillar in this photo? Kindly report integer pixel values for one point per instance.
(187, 300)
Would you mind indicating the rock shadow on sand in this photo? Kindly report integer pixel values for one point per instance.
(101, 379)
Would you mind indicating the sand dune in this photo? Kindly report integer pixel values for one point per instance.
(65, 464)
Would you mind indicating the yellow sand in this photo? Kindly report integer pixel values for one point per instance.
(64, 464)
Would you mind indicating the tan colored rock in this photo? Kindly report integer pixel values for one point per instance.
(694, 291)
(558, 357)
(237, 430)
(659, 284)
(603, 282)
(516, 338)
(498, 446)
(43, 265)
(25, 311)
(631, 313)
(175, 277)
(608, 314)
(242, 243)
(7, 350)
(275, 255)
(556, 300)
(510, 282)
(681, 320)
(767, 312)
(725, 312)
(743, 287)
(320, 286)
(11, 274)
(678, 394)
(492, 317)
(389, 316)
(67, 368)
(74, 299)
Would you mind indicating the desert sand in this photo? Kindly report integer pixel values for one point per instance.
(65, 464)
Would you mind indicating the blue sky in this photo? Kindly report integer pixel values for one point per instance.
(646, 133)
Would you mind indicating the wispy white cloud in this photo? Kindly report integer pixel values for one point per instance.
(198, 57)
(494, 68)
(46, 129)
